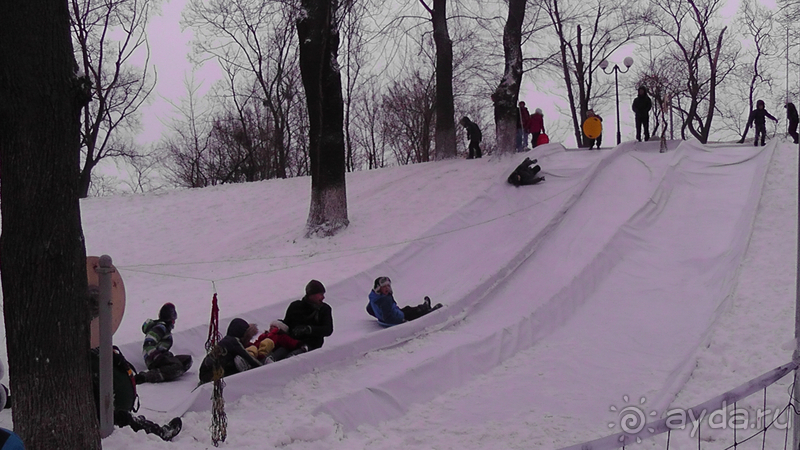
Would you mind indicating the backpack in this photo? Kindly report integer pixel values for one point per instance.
(122, 373)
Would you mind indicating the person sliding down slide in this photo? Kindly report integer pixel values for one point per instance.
(525, 175)
(383, 307)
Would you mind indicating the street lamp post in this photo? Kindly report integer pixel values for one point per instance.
(628, 61)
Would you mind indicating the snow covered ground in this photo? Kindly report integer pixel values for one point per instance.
(627, 275)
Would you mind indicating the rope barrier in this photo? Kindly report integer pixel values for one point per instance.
(219, 420)
(339, 253)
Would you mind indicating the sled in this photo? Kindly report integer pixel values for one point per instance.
(542, 139)
(117, 297)
(592, 127)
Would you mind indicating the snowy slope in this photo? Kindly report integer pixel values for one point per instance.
(603, 281)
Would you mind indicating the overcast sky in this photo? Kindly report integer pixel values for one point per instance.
(170, 47)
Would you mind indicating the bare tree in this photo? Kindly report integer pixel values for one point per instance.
(253, 43)
(611, 25)
(371, 128)
(445, 109)
(409, 116)
(317, 31)
(506, 94)
(118, 88)
(43, 254)
(355, 55)
(188, 149)
(689, 25)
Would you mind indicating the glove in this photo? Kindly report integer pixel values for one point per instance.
(301, 330)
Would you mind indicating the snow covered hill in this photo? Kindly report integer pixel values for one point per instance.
(608, 280)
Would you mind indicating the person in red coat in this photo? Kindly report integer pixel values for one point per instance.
(536, 126)
(276, 344)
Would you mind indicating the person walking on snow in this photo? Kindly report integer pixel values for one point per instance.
(523, 119)
(641, 109)
(383, 307)
(791, 115)
(162, 365)
(599, 139)
(758, 116)
(536, 127)
(474, 135)
(309, 319)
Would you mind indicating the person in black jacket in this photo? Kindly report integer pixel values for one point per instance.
(474, 135)
(524, 174)
(641, 108)
(230, 352)
(310, 320)
(758, 116)
(791, 115)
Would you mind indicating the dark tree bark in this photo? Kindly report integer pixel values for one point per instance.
(507, 93)
(42, 253)
(319, 46)
(445, 136)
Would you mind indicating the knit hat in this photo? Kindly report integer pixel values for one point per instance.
(238, 328)
(381, 282)
(279, 325)
(314, 287)
(168, 314)
(539, 111)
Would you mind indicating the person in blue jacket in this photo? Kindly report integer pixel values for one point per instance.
(10, 441)
(383, 307)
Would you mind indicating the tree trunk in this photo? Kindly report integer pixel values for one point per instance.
(445, 137)
(506, 113)
(558, 24)
(41, 246)
(319, 45)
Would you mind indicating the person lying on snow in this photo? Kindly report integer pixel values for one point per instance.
(525, 175)
(309, 319)
(276, 344)
(383, 307)
(230, 352)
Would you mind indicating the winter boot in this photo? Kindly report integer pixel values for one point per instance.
(150, 376)
(171, 429)
(166, 432)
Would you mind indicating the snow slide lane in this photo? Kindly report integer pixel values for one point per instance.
(595, 276)
(443, 264)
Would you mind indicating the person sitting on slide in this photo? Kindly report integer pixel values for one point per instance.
(383, 307)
